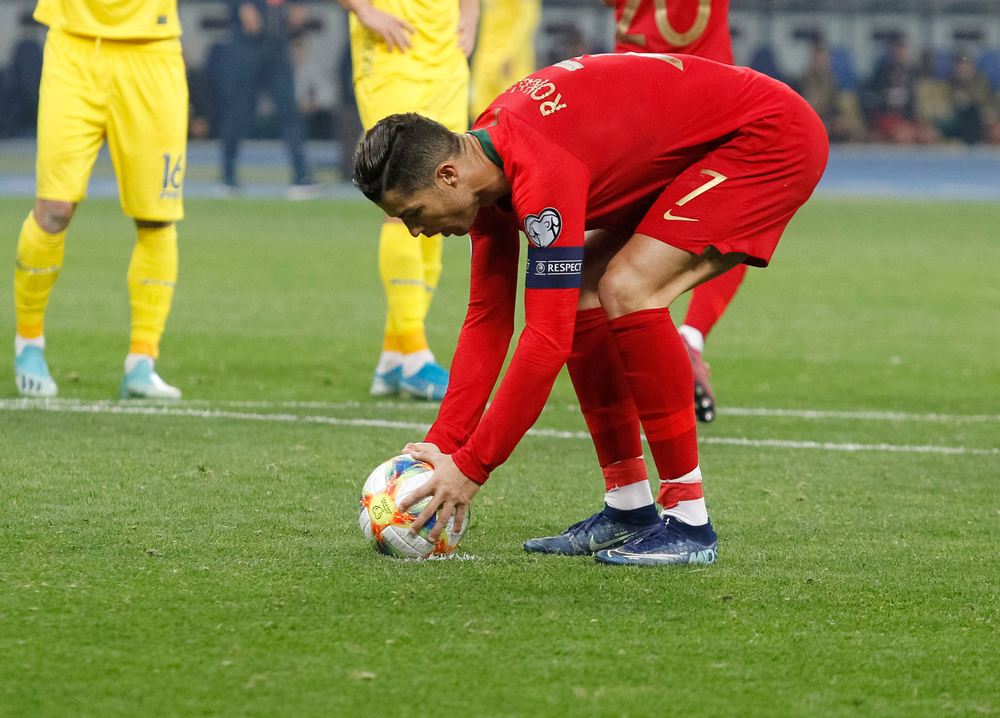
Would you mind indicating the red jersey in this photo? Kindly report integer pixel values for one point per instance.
(694, 27)
(587, 143)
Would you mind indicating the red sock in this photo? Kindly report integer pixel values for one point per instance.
(709, 300)
(606, 401)
(659, 374)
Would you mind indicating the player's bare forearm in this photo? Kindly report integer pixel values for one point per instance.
(450, 491)
(250, 19)
(353, 5)
(469, 8)
(468, 22)
(394, 31)
(297, 15)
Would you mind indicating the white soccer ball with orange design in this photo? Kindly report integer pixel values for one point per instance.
(386, 527)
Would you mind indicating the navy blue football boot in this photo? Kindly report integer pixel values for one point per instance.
(670, 542)
(602, 530)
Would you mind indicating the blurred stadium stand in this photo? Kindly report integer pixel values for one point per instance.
(989, 65)
(774, 36)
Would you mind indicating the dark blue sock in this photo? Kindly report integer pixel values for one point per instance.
(704, 533)
(645, 516)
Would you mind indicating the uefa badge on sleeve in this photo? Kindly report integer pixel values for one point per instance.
(543, 229)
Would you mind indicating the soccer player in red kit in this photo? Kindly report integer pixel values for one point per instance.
(688, 167)
(692, 27)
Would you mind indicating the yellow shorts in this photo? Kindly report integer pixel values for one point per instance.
(445, 100)
(132, 92)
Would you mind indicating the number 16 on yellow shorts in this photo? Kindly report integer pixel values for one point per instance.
(132, 93)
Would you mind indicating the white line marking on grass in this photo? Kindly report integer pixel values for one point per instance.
(863, 415)
(408, 405)
(107, 407)
(113, 408)
(445, 557)
(572, 408)
(827, 446)
(167, 403)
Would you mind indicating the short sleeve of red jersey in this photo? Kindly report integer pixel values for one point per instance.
(549, 196)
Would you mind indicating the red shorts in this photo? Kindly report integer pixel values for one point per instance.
(740, 197)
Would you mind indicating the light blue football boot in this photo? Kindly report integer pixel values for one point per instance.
(31, 373)
(387, 383)
(144, 383)
(430, 383)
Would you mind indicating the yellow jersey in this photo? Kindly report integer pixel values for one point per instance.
(435, 52)
(112, 19)
(508, 27)
(505, 49)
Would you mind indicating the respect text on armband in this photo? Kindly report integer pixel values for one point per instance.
(554, 267)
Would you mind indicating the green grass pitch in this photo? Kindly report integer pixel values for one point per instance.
(205, 560)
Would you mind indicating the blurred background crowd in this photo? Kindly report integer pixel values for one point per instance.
(910, 72)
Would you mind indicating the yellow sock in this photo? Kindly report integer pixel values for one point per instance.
(151, 278)
(401, 264)
(39, 259)
(431, 247)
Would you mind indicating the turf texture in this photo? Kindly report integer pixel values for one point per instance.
(205, 560)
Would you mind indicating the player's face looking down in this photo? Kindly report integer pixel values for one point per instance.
(447, 207)
(462, 184)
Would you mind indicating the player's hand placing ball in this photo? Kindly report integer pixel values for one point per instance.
(450, 489)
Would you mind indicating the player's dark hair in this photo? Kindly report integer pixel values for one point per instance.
(402, 152)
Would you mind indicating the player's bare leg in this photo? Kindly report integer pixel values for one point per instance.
(650, 274)
(54, 216)
(39, 260)
(636, 290)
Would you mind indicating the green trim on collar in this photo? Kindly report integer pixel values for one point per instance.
(487, 142)
(491, 152)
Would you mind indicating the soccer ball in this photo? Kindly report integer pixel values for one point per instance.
(386, 527)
